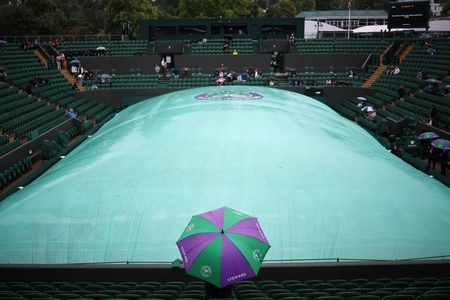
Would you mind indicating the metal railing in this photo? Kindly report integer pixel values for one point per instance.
(42, 39)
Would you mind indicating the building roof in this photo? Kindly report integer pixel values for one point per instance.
(332, 14)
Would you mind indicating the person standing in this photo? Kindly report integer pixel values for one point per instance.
(401, 92)
(214, 292)
(433, 112)
(444, 161)
(163, 67)
(157, 69)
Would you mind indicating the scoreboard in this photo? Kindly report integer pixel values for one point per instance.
(411, 14)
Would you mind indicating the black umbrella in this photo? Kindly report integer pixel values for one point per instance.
(342, 83)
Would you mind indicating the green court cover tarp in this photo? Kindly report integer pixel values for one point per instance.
(320, 185)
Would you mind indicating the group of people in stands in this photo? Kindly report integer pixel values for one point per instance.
(37, 82)
(393, 70)
(28, 45)
(85, 52)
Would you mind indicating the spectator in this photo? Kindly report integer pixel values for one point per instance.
(3, 75)
(396, 70)
(176, 73)
(74, 70)
(443, 161)
(401, 92)
(71, 114)
(163, 67)
(420, 74)
(75, 87)
(433, 112)
(157, 69)
(390, 70)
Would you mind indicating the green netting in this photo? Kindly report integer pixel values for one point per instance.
(319, 184)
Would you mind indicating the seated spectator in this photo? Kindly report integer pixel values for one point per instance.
(420, 74)
(185, 74)
(3, 75)
(431, 50)
(271, 83)
(333, 81)
(75, 87)
(396, 70)
(71, 114)
(390, 71)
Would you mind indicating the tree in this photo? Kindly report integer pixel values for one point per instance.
(214, 9)
(283, 9)
(370, 4)
(328, 5)
(130, 12)
(446, 8)
(305, 5)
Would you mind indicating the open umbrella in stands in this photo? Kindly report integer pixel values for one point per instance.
(368, 109)
(441, 144)
(223, 246)
(427, 135)
(433, 80)
(74, 62)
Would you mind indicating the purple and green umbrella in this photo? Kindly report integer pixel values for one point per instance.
(223, 246)
(433, 80)
(427, 135)
(441, 144)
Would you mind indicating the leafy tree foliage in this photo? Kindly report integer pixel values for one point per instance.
(305, 5)
(446, 8)
(129, 12)
(283, 9)
(214, 9)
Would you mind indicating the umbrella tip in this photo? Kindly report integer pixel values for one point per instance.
(222, 231)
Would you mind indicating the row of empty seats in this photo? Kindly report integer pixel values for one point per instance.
(292, 289)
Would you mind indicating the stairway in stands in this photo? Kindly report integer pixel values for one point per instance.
(163, 82)
(71, 79)
(405, 52)
(281, 80)
(374, 76)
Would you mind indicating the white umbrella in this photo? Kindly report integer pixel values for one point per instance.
(368, 109)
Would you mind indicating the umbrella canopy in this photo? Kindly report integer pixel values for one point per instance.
(433, 80)
(441, 144)
(186, 69)
(101, 48)
(368, 109)
(3, 42)
(105, 76)
(426, 36)
(75, 61)
(362, 98)
(427, 135)
(223, 246)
